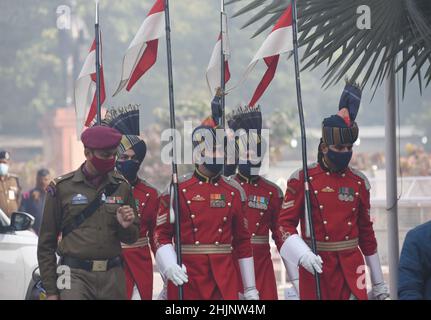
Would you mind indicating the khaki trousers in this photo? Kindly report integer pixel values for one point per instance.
(86, 285)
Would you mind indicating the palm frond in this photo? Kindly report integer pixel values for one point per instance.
(329, 32)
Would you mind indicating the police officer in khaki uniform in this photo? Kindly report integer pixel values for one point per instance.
(10, 191)
(94, 211)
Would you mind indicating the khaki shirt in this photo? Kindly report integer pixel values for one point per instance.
(99, 237)
(10, 194)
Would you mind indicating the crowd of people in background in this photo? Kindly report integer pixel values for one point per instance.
(415, 161)
(12, 198)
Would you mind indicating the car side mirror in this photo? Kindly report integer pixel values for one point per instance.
(21, 221)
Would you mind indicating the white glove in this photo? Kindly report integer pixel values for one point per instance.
(166, 260)
(177, 275)
(251, 294)
(293, 274)
(380, 289)
(246, 266)
(311, 262)
(297, 252)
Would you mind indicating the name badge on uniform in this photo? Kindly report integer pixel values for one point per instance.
(217, 200)
(114, 200)
(258, 202)
(346, 194)
(79, 199)
(11, 195)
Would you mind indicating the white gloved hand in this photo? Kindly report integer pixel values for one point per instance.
(176, 274)
(381, 291)
(166, 260)
(311, 262)
(251, 294)
(294, 250)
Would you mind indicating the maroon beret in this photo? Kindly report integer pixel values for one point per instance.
(101, 137)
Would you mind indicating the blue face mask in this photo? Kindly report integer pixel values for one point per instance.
(248, 169)
(216, 166)
(340, 160)
(229, 169)
(129, 169)
(4, 169)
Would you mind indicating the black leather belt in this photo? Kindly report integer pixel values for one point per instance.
(92, 265)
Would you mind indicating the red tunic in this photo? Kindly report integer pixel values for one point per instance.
(138, 264)
(341, 218)
(212, 219)
(263, 205)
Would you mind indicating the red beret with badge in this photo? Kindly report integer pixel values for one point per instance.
(101, 137)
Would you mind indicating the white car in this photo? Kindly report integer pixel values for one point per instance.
(18, 258)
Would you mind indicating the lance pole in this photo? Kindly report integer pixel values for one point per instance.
(308, 210)
(174, 182)
(98, 99)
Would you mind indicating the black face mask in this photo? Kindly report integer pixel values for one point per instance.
(129, 169)
(216, 166)
(340, 160)
(246, 169)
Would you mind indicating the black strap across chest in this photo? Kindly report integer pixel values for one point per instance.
(89, 210)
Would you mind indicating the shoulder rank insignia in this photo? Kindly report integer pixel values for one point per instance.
(288, 204)
(291, 190)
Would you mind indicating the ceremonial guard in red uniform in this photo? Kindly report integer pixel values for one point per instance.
(263, 198)
(138, 264)
(340, 204)
(213, 225)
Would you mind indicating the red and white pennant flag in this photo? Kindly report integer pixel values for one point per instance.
(85, 90)
(279, 41)
(213, 70)
(142, 52)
